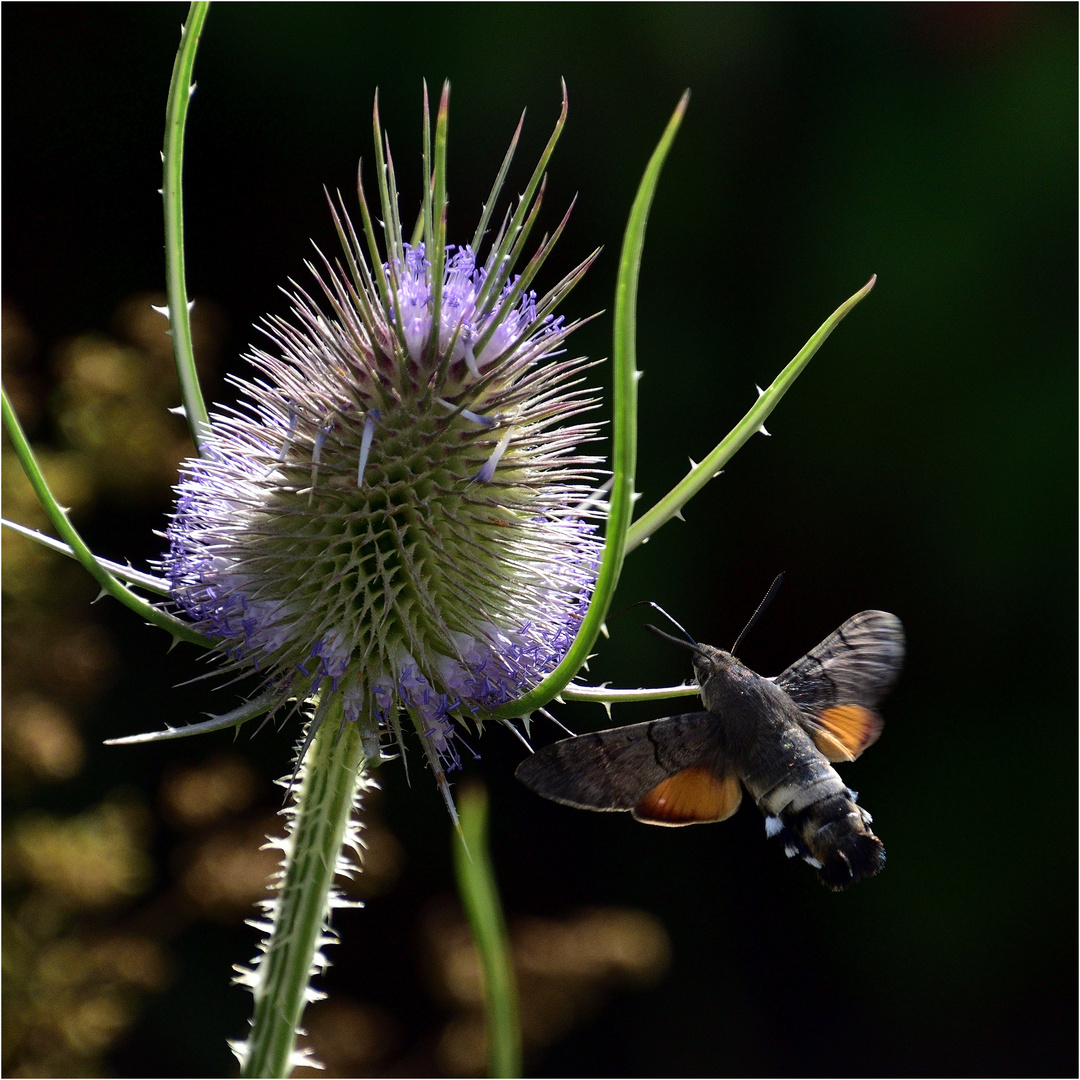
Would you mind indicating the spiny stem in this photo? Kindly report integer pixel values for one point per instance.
(331, 780)
(150, 582)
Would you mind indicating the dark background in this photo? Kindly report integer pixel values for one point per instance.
(925, 463)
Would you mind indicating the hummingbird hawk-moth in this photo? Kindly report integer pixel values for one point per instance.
(775, 737)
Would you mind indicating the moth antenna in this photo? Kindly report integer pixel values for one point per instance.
(656, 607)
(766, 601)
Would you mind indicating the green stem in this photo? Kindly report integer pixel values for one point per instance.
(89, 561)
(180, 90)
(332, 776)
(624, 433)
(673, 502)
(480, 898)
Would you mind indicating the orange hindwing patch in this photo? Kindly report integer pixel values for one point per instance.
(843, 732)
(689, 797)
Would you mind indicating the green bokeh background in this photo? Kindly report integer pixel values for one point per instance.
(925, 463)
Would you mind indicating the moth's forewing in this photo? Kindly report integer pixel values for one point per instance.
(622, 768)
(857, 664)
(838, 683)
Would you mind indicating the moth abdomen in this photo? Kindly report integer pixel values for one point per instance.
(836, 833)
(856, 856)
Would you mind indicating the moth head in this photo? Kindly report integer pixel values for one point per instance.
(708, 661)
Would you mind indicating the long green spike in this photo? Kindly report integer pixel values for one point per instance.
(436, 250)
(492, 199)
(498, 261)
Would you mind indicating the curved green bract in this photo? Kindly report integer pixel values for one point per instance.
(612, 695)
(178, 313)
(70, 536)
(670, 505)
(624, 435)
(248, 711)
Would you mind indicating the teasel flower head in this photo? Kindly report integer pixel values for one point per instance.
(398, 515)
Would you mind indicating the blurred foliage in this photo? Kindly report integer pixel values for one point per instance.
(926, 463)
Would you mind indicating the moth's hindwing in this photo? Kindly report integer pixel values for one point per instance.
(843, 732)
(838, 684)
(694, 796)
(666, 772)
